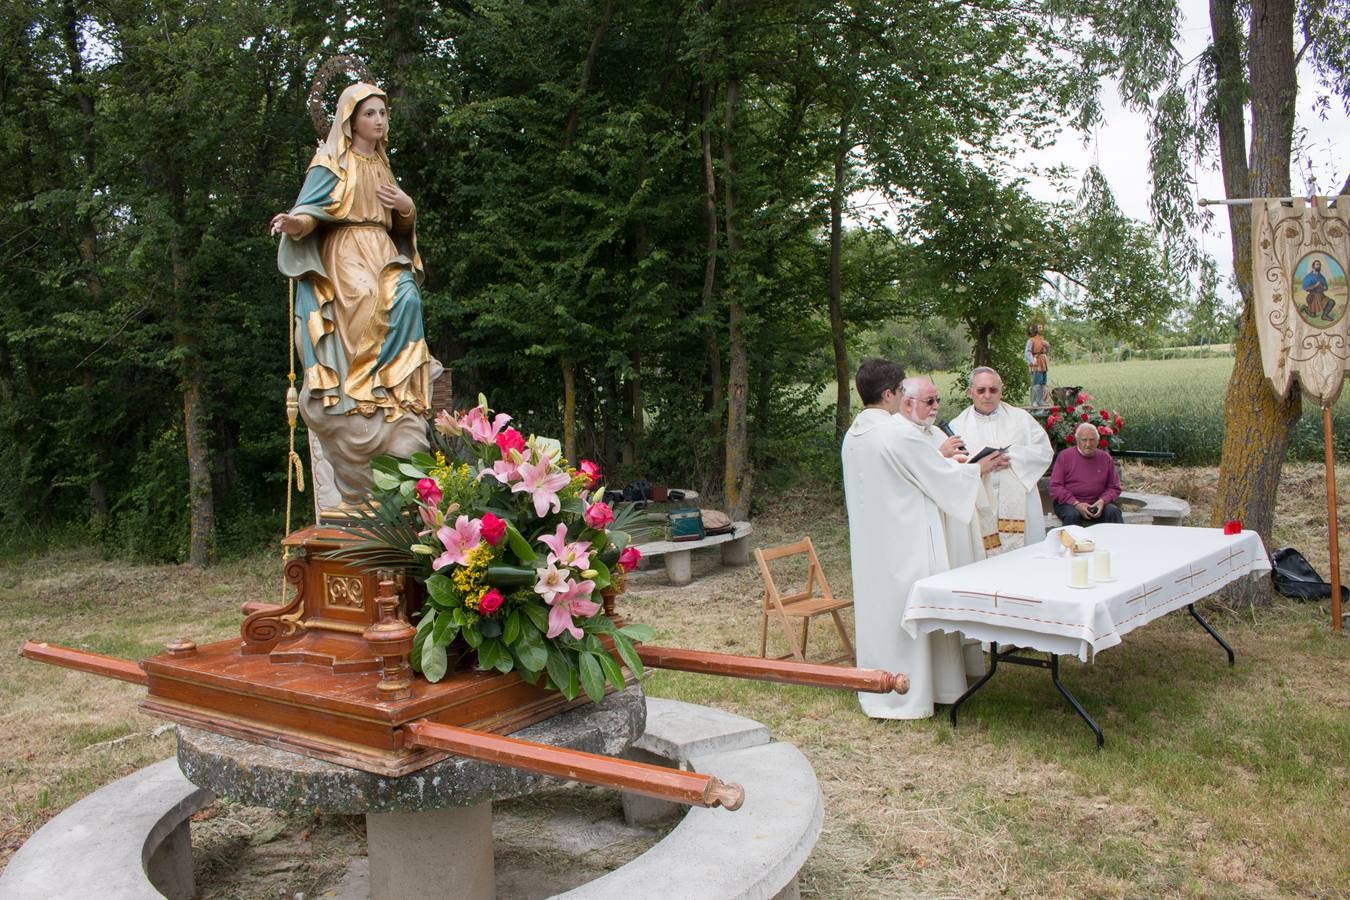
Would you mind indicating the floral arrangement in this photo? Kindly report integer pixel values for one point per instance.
(1063, 421)
(515, 547)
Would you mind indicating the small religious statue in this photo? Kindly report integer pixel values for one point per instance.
(350, 245)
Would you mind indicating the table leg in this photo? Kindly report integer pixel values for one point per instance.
(1073, 701)
(1009, 656)
(1232, 660)
(993, 665)
(678, 568)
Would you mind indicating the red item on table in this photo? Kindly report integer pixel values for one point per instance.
(1232, 526)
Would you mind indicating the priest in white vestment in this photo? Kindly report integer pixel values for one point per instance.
(1013, 515)
(911, 513)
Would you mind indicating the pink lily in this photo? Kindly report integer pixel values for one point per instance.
(576, 553)
(542, 486)
(459, 542)
(551, 582)
(574, 601)
(479, 428)
(432, 516)
(505, 470)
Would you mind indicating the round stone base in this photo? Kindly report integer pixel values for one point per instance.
(265, 776)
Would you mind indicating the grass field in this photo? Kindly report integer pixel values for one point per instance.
(1176, 405)
(1213, 782)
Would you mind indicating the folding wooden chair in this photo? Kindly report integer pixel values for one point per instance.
(804, 604)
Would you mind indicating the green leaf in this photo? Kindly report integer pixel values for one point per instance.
(386, 464)
(441, 589)
(424, 461)
(434, 663)
(628, 653)
(510, 577)
(411, 471)
(603, 578)
(511, 633)
(424, 629)
(473, 637)
(592, 678)
(640, 633)
(560, 669)
(538, 614)
(531, 654)
(525, 554)
(490, 628)
(612, 670)
(386, 482)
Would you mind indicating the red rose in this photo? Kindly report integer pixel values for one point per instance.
(428, 491)
(1106, 416)
(491, 602)
(1106, 431)
(1052, 421)
(1119, 422)
(1103, 444)
(1085, 417)
(492, 529)
(591, 471)
(1069, 408)
(509, 440)
(629, 558)
(598, 515)
(1082, 398)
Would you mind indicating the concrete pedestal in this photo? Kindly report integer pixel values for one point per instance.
(413, 854)
(430, 832)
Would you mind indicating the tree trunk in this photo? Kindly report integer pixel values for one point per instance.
(712, 346)
(841, 366)
(981, 333)
(569, 375)
(1258, 422)
(201, 501)
(737, 474)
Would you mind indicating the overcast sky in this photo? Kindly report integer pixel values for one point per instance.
(1120, 148)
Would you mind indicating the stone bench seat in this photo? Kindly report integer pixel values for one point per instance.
(677, 554)
(1138, 508)
(129, 839)
(753, 852)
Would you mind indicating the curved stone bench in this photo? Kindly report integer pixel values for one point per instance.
(735, 551)
(1138, 508)
(754, 852)
(129, 839)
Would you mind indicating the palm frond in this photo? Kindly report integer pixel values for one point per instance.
(382, 537)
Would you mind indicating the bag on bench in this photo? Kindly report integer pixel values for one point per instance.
(685, 524)
(716, 522)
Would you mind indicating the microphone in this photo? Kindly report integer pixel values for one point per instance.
(947, 430)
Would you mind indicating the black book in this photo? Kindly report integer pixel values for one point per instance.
(985, 452)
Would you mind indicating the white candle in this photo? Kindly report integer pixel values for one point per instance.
(1101, 565)
(1078, 571)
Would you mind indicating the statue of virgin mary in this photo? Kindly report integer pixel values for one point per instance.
(350, 243)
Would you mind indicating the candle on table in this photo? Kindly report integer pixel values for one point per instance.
(1101, 565)
(1078, 571)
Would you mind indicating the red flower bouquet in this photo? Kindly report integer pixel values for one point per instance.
(1063, 421)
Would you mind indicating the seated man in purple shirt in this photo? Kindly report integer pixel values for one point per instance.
(1084, 483)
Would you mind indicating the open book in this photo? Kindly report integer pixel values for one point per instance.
(985, 452)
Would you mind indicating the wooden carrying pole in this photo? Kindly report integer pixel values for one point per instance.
(83, 660)
(690, 788)
(871, 681)
(1333, 530)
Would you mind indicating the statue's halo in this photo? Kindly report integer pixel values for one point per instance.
(352, 65)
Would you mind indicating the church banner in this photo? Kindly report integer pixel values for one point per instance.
(1300, 256)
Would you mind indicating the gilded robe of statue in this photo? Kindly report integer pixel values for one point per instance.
(358, 308)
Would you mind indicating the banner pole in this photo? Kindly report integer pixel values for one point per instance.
(1333, 529)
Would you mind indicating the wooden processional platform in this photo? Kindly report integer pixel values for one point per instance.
(327, 675)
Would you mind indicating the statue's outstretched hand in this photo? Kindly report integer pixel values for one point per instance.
(285, 222)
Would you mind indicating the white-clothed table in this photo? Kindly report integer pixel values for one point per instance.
(1023, 598)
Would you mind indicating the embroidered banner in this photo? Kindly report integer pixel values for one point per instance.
(1300, 256)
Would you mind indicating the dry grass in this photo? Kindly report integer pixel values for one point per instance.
(1213, 781)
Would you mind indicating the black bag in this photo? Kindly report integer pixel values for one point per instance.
(1295, 578)
(638, 492)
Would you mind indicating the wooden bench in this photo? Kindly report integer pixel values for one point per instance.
(735, 551)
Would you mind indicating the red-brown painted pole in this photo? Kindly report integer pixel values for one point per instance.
(690, 788)
(1333, 529)
(94, 663)
(872, 681)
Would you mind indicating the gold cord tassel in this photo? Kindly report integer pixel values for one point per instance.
(295, 470)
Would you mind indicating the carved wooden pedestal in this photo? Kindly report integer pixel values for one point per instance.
(327, 675)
